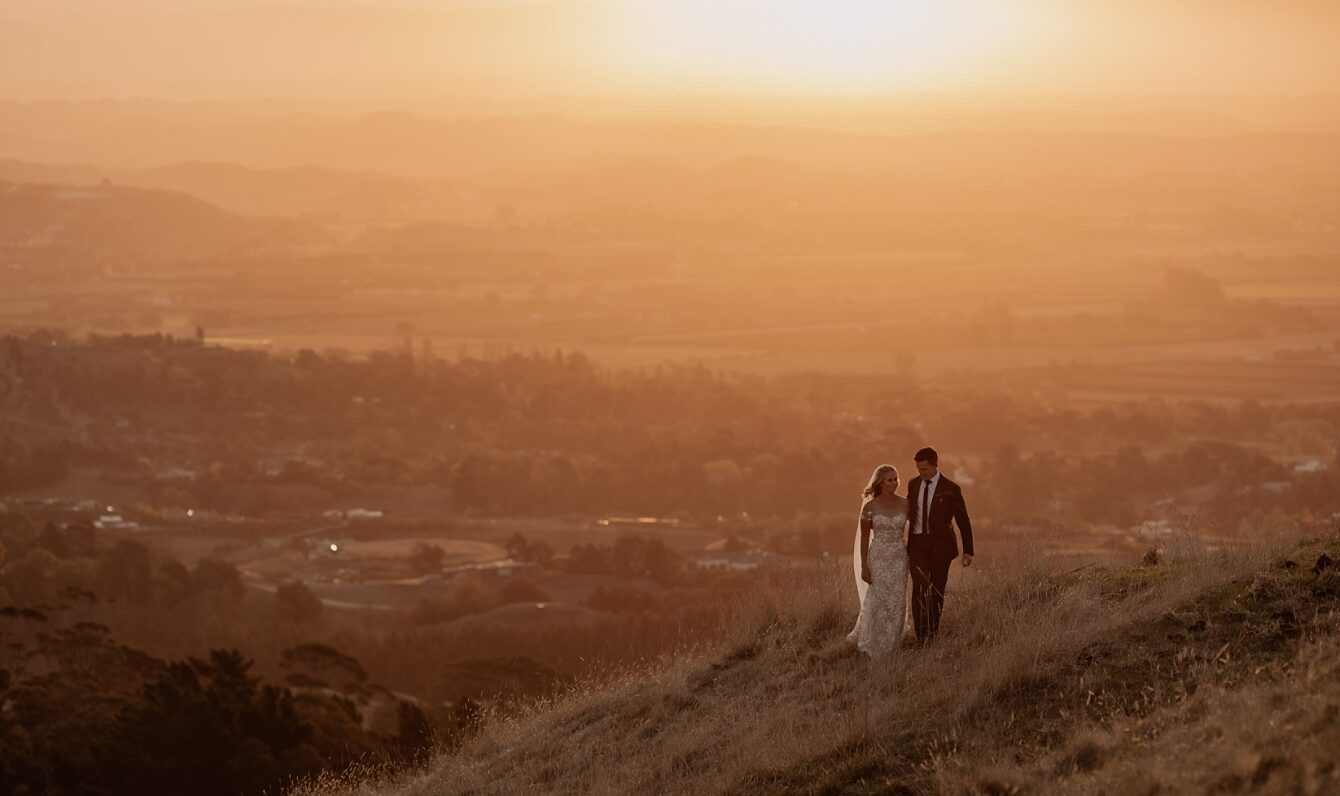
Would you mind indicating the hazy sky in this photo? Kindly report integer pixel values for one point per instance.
(416, 48)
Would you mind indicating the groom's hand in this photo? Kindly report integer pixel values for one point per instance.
(967, 560)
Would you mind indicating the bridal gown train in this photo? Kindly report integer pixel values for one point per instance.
(881, 623)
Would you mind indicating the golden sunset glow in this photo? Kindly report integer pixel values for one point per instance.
(538, 48)
(800, 45)
(669, 396)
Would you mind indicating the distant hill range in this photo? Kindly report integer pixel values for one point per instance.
(320, 194)
(151, 225)
(398, 181)
(495, 149)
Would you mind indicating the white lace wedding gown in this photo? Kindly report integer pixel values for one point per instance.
(881, 623)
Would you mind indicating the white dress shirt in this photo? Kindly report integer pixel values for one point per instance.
(922, 505)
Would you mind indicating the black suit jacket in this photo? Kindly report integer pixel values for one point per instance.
(946, 505)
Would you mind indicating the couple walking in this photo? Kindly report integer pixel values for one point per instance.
(899, 536)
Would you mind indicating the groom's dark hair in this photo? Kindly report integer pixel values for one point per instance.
(927, 455)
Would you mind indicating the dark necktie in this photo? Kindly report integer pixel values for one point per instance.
(925, 506)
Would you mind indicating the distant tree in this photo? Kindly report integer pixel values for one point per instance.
(517, 547)
(532, 551)
(662, 564)
(471, 595)
(539, 552)
(215, 575)
(589, 559)
(426, 558)
(210, 727)
(125, 573)
(627, 555)
(1191, 285)
(174, 582)
(646, 557)
(295, 602)
(323, 662)
(101, 718)
(307, 359)
(464, 597)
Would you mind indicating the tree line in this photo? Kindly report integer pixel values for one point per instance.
(554, 433)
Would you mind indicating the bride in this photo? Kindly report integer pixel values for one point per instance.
(881, 565)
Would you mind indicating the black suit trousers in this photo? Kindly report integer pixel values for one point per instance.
(930, 573)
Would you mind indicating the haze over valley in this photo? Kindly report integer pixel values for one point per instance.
(473, 391)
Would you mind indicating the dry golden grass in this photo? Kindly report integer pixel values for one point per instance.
(1041, 681)
(1277, 734)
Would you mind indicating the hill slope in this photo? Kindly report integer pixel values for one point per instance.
(112, 220)
(1213, 670)
(296, 191)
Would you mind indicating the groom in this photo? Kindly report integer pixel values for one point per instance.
(932, 501)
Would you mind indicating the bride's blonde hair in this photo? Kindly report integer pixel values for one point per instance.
(876, 484)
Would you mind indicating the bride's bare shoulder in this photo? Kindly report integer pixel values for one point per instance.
(889, 504)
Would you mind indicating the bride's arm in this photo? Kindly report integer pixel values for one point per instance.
(867, 520)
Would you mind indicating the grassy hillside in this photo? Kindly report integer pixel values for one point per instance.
(1211, 669)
